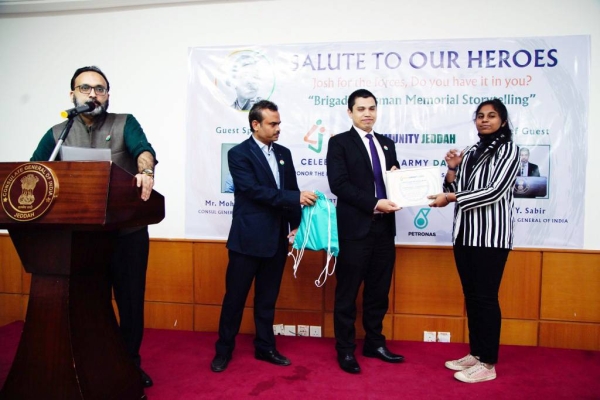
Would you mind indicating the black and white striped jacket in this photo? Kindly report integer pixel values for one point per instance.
(484, 204)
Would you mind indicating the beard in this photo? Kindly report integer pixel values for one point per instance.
(100, 107)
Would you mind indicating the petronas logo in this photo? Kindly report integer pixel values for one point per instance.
(421, 220)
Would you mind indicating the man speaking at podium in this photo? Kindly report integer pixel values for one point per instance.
(130, 150)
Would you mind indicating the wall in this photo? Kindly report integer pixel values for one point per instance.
(548, 298)
(144, 52)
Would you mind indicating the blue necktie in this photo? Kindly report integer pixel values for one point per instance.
(379, 185)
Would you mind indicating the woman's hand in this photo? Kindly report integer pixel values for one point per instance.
(454, 158)
(440, 199)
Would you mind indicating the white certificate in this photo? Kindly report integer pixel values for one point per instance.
(410, 187)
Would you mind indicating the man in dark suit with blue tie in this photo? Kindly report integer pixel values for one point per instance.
(356, 162)
(267, 205)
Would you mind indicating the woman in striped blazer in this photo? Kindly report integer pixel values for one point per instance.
(480, 180)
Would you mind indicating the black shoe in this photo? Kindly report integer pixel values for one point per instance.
(146, 380)
(348, 363)
(273, 357)
(219, 363)
(383, 354)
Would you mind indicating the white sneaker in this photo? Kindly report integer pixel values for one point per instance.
(477, 373)
(458, 365)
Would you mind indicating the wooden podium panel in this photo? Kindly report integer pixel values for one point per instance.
(92, 195)
(71, 347)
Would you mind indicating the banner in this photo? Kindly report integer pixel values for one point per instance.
(427, 93)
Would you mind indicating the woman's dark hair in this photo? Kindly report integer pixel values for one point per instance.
(500, 108)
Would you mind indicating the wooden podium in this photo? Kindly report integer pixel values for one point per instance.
(71, 347)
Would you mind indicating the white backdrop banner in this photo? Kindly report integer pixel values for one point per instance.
(427, 94)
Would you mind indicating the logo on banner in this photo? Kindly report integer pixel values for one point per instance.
(421, 220)
(310, 136)
(250, 76)
(521, 187)
(28, 191)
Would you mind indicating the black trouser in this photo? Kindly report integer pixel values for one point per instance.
(128, 279)
(480, 270)
(266, 274)
(369, 260)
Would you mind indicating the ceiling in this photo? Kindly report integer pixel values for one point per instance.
(50, 6)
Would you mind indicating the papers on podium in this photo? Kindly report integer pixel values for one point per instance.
(410, 187)
(69, 153)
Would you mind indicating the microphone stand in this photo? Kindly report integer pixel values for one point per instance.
(61, 138)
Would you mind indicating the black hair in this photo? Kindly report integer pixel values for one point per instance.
(91, 68)
(500, 108)
(364, 93)
(255, 113)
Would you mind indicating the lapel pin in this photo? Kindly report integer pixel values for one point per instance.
(281, 162)
(385, 147)
(108, 138)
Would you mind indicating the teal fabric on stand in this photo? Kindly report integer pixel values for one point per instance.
(317, 231)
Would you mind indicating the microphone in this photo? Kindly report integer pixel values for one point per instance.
(70, 113)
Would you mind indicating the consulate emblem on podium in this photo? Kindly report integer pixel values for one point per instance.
(521, 187)
(28, 191)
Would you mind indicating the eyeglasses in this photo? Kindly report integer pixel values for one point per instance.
(87, 89)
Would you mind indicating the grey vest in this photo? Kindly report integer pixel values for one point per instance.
(107, 132)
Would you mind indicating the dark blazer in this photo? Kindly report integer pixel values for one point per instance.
(532, 170)
(262, 214)
(350, 176)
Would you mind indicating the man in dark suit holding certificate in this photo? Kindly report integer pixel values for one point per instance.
(356, 164)
(267, 205)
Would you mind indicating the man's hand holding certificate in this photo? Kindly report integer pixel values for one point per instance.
(410, 187)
